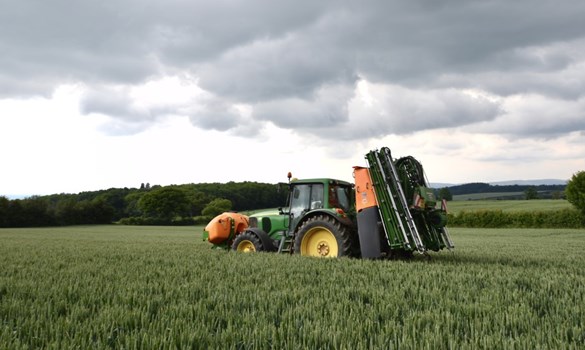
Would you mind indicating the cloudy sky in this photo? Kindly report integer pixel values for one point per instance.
(100, 94)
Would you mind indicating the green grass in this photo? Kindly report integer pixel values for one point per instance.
(509, 205)
(132, 287)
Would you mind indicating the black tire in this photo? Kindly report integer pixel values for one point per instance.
(323, 236)
(247, 242)
(268, 244)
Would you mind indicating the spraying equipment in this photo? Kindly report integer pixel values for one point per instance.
(388, 212)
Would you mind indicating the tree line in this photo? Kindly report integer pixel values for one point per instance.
(482, 187)
(530, 192)
(173, 204)
(198, 203)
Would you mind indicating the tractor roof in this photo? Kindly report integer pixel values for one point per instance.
(321, 180)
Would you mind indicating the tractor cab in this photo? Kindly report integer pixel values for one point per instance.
(334, 197)
(324, 201)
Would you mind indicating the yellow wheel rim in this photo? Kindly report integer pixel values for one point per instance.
(319, 242)
(246, 246)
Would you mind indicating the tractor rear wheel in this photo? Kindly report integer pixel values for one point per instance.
(247, 242)
(323, 236)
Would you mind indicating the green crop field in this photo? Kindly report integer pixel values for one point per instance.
(509, 205)
(488, 196)
(103, 287)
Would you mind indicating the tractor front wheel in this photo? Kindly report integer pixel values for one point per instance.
(323, 236)
(247, 242)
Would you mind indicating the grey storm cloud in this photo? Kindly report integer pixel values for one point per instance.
(538, 116)
(328, 107)
(297, 63)
(216, 115)
(113, 102)
(399, 110)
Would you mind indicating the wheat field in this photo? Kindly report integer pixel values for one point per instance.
(129, 287)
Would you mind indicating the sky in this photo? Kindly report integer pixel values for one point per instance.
(102, 94)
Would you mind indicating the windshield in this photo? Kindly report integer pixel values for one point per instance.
(305, 197)
(340, 197)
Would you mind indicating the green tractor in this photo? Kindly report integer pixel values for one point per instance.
(319, 221)
(388, 212)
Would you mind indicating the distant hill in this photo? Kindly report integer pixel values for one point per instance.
(530, 182)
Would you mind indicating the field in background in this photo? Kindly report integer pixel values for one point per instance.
(509, 205)
(162, 287)
(489, 196)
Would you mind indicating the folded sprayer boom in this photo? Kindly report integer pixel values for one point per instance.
(399, 226)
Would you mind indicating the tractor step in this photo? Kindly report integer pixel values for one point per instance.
(286, 244)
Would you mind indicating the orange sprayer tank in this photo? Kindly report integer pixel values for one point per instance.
(225, 225)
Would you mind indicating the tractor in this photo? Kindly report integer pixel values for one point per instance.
(389, 212)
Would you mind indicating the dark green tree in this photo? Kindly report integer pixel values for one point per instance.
(96, 211)
(216, 207)
(66, 211)
(131, 201)
(531, 193)
(575, 191)
(164, 203)
(4, 205)
(35, 211)
(445, 194)
(115, 198)
(16, 214)
(197, 201)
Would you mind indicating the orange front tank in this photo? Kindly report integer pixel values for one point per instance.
(221, 227)
(364, 190)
